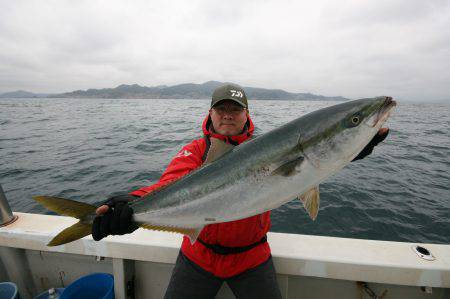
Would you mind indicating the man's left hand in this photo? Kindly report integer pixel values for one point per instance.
(380, 136)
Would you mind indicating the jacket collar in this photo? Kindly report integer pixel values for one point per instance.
(236, 139)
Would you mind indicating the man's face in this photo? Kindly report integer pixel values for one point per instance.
(228, 118)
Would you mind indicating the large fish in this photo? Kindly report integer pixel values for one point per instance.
(236, 182)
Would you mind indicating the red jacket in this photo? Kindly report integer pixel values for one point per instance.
(237, 233)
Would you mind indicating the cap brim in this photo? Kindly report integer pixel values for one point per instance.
(234, 100)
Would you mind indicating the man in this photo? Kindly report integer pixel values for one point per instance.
(236, 252)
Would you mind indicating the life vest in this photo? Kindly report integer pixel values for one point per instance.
(223, 249)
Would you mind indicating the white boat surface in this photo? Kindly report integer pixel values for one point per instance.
(307, 266)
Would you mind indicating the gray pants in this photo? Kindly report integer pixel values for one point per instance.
(191, 281)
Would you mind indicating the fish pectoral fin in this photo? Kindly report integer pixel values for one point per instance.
(192, 233)
(311, 201)
(217, 149)
(288, 168)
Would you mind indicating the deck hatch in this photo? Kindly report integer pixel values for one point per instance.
(423, 253)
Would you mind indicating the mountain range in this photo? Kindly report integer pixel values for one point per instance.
(180, 91)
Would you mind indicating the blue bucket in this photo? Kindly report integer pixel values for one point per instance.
(45, 295)
(93, 286)
(8, 290)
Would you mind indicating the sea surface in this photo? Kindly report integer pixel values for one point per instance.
(87, 149)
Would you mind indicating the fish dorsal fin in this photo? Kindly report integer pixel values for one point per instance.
(217, 149)
(192, 233)
(311, 201)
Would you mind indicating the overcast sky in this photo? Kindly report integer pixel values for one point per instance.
(348, 48)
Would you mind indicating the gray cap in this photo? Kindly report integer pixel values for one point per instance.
(229, 92)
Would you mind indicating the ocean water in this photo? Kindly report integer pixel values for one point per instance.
(87, 149)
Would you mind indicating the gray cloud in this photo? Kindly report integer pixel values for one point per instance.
(349, 48)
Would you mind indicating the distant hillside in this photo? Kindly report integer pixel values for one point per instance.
(181, 91)
(22, 94)
(187, 91)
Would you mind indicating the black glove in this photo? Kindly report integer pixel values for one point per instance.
(118, 219)
(380, 136)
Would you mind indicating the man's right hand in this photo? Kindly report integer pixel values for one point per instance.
(114, 217)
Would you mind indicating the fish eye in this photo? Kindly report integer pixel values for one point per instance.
(355, 120)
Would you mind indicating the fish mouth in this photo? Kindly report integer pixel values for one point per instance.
(384, 111)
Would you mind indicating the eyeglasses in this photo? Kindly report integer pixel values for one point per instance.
(234, 109)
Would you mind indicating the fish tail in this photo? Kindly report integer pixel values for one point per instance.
(72, 233)
(70, 208)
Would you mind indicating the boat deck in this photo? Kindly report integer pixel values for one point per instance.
(307, 266)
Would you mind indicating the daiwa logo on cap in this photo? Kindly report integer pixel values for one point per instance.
(236, 93)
